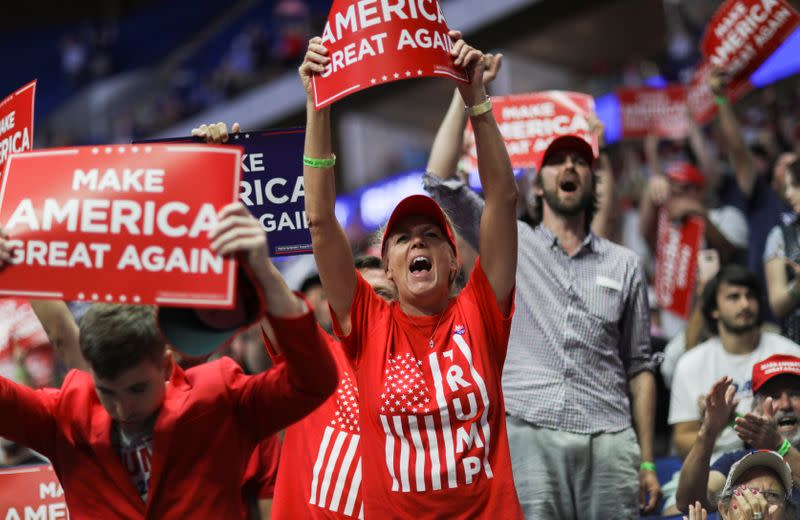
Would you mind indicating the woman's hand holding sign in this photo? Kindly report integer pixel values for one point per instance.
(315, 62)
(239, 233)
(472, 60)
(5, 249)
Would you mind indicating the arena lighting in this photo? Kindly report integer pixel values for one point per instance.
(345, 208)
(376, 202)
(783, 63)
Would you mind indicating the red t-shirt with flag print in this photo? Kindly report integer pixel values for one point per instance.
(433, 430)
(319, 474)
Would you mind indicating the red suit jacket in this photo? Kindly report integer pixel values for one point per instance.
(212, 418)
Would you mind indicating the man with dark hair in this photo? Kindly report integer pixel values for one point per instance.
(580, 338)
(731, 303)
(138, 437)
(732, 275)
(115, 337)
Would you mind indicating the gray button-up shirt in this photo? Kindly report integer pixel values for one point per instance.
(581, 328)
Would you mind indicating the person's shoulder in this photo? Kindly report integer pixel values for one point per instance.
(76, 383)
(606, 246)
(620, 254)
(727, 210)
(776, 341)
(692, 359)
(726, 460)
(212, 372)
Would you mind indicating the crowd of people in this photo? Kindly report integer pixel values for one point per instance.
(487, 364)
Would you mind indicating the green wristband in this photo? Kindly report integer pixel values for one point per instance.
(319, 163)
(720, 100)
(785, 447)
(647, 466)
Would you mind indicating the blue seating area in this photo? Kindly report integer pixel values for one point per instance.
(142, 38)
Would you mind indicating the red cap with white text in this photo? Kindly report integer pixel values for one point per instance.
(775, 365)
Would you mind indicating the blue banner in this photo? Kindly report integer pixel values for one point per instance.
(272, 185)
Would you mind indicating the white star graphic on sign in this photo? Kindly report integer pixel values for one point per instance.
(373, 81)
(408, 73)
(396, 75)
(419, 72)
(384, 78)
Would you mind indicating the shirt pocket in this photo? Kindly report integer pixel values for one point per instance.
(604, 300)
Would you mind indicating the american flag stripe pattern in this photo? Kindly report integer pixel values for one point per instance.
(336, 480)
(431, 441)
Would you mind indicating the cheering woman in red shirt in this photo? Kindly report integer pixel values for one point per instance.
(429, 365)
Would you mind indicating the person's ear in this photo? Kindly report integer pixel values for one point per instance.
(167, 364)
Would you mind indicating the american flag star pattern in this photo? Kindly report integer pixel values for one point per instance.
(346, 417)
(405, 390)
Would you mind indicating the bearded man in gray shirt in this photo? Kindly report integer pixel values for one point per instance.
(578, 379)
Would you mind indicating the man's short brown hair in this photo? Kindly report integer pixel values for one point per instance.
(114, 338)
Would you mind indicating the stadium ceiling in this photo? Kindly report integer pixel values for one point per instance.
(48, 13)
(550, 40)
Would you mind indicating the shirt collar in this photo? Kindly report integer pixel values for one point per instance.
(589, 243)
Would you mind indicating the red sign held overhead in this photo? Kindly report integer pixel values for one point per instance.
(16, 122)
(676, 262)
(743, 33)
(649, 111)
(701, 99)
(371, 42)
(529, 122)
(123, 224)
(31, 492)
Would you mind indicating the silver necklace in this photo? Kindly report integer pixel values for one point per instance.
(430, 340)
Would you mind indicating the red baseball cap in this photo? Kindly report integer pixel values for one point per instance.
(568, 142)
(686, 173)
(419, 205)
(775, 365)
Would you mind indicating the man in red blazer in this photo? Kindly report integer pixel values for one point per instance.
(138, 437)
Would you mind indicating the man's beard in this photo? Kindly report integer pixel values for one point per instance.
(573, 209)
(794, 437)
(737, 329)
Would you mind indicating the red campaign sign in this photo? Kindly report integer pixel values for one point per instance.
(31, 492)
(16, 122)
(742, 34)
(123, 224)
(701, 99)
(676, 262)
(530, 122)
(372, 42)
(649, 111)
